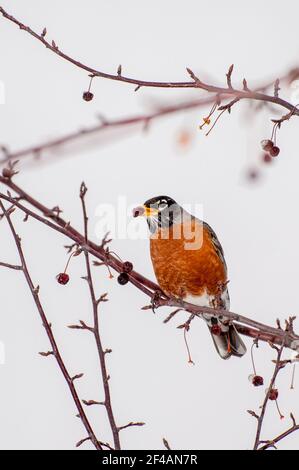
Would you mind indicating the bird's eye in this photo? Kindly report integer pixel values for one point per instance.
(162, 206)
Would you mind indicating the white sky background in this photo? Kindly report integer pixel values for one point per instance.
(200, 407)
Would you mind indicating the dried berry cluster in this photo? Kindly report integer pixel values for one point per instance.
(123, 277)
(270, 148)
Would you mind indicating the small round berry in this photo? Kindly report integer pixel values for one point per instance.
(87, 96)
(273, 394)
(123, 278)
(63, 278)
(266, 158)
(127, 267)
(257, 380)
(267, 145)
(274, 151)
(216, 330)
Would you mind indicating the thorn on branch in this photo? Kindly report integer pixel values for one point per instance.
(229, 105)
(106, 444)
(130, 425)
(44, 32)
(46, 354)
(290, 324)
(108, 351)
(166, 445)
(245, 86)
(36, 290)
(83, 190)
(82, 326)
(171, 315)
(69, 248)
(105, 240)
(137, 88)
(194, 77)
(57, 211)
(103, 298)
(78, 376)
(98, 263)
(276, 88)
(10, 210)
(229, 76)
(9, 171)
(92, 402)
(252, 413)
(82, 441)
(119, 70)
(293, 419)
(147, 307)
(54, 45)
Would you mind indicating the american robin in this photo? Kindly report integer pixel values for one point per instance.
(189, 264)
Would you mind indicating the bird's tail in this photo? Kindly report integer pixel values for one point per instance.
(227, 341)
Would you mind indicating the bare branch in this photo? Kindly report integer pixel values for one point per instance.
(11, 266)
(130, 425)
(96, 328)
(244, 325)
(195, 83)
(266, 400)
(49, 332)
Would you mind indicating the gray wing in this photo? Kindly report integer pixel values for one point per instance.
(225, 295)
(216, 243)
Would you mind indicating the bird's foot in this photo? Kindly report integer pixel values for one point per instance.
(155, 301)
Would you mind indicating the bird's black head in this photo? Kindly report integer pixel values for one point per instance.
(160, 212)
(160, 202)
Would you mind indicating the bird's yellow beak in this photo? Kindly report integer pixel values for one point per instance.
(144, 211)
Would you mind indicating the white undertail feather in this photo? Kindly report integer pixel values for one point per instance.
(229, 342)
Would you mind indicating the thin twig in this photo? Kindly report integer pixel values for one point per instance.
(265, 403)
(96, 328)
(281, 436)
(57, 143)
(194, 83)
(11, 266)
(34, 292)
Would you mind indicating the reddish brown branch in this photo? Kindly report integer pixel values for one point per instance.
(11, 266)
(195, 82)
(245, 325)
(143, 119)
(35, 294)
(266, 400)
(281, 436)
(96, 328)
(129, 425)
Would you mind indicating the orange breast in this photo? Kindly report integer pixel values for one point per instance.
(181, 271)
